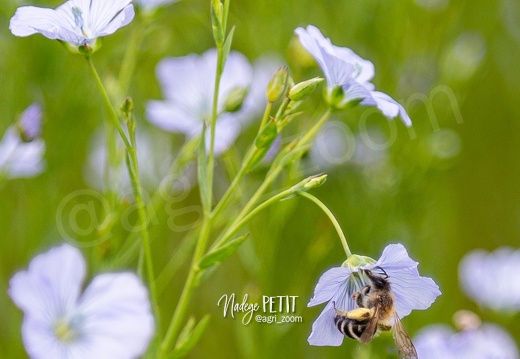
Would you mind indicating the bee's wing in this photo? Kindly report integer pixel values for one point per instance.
(403, 341)
(371, 327)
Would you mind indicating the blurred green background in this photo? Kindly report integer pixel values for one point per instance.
(445, 187)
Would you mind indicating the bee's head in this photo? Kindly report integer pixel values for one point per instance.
(378, 277)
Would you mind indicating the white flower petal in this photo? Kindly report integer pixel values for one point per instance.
(329, 283)
(324, 331)
(354, 91)
(51, 285)
(112, 319)
(395, 257)
(123, 18)
(363, 69)
(18, 158)
(488, 341)
(150, 4)
(29, 20)
(227, 130)
(343, 67)
(40, 340)
(188, 85)
(238, 73)
(337, 71)
(389, 107)
(411, 291)
(170, 117)
(118, 319)
(76, 21)
(486, 278)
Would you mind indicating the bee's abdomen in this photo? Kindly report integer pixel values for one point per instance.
(350, 328)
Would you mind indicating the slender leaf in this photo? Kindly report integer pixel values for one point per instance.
(187, 343)
(219, 254)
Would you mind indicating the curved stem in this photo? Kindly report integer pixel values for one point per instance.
(233, 229)
(333, 219)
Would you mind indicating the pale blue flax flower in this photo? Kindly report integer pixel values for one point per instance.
(22, 148)
(487, 341)
(488, 278)
(152, 4)
(188, 86)
(411, 291)
(348, 75)
(153, 155)
(111, 318)
(78, 22)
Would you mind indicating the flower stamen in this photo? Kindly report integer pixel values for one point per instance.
(64, 331)
(78, 19)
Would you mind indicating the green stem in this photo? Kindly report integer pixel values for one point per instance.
(114, 118)
(133, 171)
(265, 117)
(245, 215)
(214, 114)
(232, 187)
(237, 225)
(190, 285)
(329, 214)
(271, 175)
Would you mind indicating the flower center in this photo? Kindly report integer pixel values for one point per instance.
(64, 332)
(355, 261)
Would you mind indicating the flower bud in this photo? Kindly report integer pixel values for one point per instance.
(303, 89)
(315, 181)
(30, 123)
(217, 11)
(126, 108)
(277, 84)
(235, 99)
(309, 183)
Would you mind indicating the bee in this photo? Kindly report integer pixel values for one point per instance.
(376, 312)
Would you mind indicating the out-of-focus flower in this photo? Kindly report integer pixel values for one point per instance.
(441, 342)
(30, 123)
(486, 277)
(463, 58)
(152, 4)
(110, 319)
(153, 155)
(188, 85)
(411, 291)
(21, 148)
(78, 22)
(348, 75)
